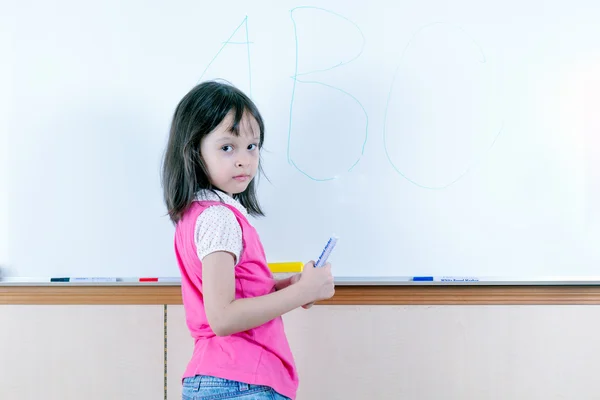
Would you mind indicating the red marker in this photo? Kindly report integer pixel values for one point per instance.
(165, 279)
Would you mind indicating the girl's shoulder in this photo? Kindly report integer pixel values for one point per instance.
(217, 228)
(212, 197)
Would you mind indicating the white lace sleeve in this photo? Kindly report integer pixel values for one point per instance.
(217, 229)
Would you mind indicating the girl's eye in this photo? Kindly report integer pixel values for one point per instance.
(252, 146)
(227, 148)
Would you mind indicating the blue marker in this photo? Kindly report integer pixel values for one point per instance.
(90, 280)
(326, 251)
(422, 278)
(444, 279)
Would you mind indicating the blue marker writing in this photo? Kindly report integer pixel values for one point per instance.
(326, 251)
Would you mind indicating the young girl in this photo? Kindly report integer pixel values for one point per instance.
(232, 303)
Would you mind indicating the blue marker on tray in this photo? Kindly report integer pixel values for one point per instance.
(422, 278)
(326, 251)
(444, 279)
(84, 279)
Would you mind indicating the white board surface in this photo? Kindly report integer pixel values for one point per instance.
(434, 138)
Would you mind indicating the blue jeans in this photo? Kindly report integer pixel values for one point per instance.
(201, 387)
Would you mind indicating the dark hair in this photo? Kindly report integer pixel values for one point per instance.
(200, 111)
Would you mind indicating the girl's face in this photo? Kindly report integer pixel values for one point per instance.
(232, 161)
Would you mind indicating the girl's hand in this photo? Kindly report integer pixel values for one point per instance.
(295, 278)
(317, 283)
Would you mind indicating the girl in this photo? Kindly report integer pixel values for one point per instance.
(232, 303)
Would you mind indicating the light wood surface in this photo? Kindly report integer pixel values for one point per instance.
(345, 295)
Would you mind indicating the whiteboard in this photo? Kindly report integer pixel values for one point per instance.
(434, 138)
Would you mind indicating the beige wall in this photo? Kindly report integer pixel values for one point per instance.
(343, 352)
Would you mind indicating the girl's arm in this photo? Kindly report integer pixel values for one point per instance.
(227, 315)
(285, 282)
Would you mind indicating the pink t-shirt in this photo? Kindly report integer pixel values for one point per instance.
(259, 356)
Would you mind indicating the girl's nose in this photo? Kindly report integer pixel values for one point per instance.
(241, 161)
